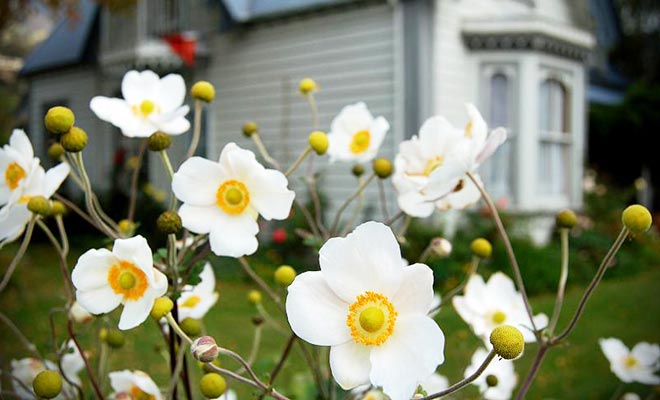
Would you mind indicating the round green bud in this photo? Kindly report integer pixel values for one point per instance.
(59, 119)
(191, 326)
(508, 342)
(57, 208)
(358, 170)
(55, 151)
(203, 91)
(74, 140)
(481, 248)
(254, 297)
(162, 306)
(318, 141)
(114, 338)
(491, 380)
(382, 167)
(47, 384)
(39, 205)
(212, 385)
(127, 227)
(208, 369)
(103, 334)
(284, 275)
(307, 86)
(159, 141)
(637, 218)
(250, 128)
(169, 222)
(566, 219)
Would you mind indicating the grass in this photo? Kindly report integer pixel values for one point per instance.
(626, 308)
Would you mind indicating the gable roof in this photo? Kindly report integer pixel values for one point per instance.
(67, 44)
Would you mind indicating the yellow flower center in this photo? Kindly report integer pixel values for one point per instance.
(360, 142)
(232, 197)
(139, 394)
(630, 361)
(128, 280)
(499, 317)
(145, 108)
(432, 164)
(371, 319)
(468, 129)
(13, 175)
(191, 301)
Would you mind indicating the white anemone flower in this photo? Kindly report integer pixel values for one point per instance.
(505, 379)
(225, 198)
(637, 365)
(17, 165)
(105, 279)
(485, 306)
(150, 104)
(371, 311)
(438, 155)
(24, 178)
(355, 135)
(195, 301)
(137, 384)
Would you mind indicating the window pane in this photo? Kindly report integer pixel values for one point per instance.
(496, 173)
(554, 155)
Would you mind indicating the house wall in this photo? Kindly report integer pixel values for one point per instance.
(351, 55)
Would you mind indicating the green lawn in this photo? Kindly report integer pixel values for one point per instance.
(626, 308)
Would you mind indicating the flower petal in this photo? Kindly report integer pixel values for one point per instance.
(234, 235)
(496, 138)
(415, 205)
(20, 141)
(12, 222)
(91, 270)
(315, 312)
(199, 219)
(197, 181)
(368, 259)
(116, 111)
(646, 353)
(269, 194)
(137, 250)
(54, 178)
(172, 92)
(100, 300)
(138, 86)
(136, 312)
(350, 365)
(410, 355)
(416, 292)
(121, 381)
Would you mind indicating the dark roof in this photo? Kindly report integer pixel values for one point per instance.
(250, 10)
(67, 44)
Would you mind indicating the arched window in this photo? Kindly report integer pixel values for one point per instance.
(554, 139)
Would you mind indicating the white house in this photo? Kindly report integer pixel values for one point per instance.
(523, 62)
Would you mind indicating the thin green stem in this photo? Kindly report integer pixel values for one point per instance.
(298, 161)
(563, 277)
(262, 150)
(543, 349)
(177, 370)
(459, 385)
(458, 289)
(348, 201)
(260, 282)
(63, 235)
(356, 212)
(134, 181)
(167, 163)
(383, 199)
(314, 109)
(19, 254)
(174, 325)
(197, 129)
(68, 285)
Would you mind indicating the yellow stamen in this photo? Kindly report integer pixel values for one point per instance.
(360, 142)
(432, 164)
(468, 129)
(139, 394)
(371, 319)
(145, 108)
(499, 317)
(232, 197)
(128, 280)
(13, 175)
(191, 301)
(630, 361)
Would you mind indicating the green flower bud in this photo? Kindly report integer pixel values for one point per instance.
(566, 219)
(481, 248)
(159, 141)
(508, 342)
(114, 338)
(191, 326)
(59, 119)
(169, 222)
(57, 208)
(491, 380)
(307, 86)
(203, 91)
(127, 227)
(284, 275)
(47, 384)
(254, 297)
(637, 218)
(55, 151)
(358, 170)
(162, 306)
(382, 167)
(74, 140)
(318, 141)
(250, 128)
(212, 385)
(39, 205)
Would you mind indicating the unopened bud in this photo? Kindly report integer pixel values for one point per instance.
(57, 208)
(114, 338)
(39, 205)
(56, 151)
(169, 222)
(47, 384)
(491, 380)
(159, 141)
(508, 342)
(284, 275)
(441, 246)
(481, 248)
(637, 218)
(566, 219)
(307, 85)
(318, 141)
(79, 314)
(212, 385)
(250, 128)
(203, 91)
(191, 326)
(382, 167)
(358, 170)
(74, 140)
(59, 119)
(254, 297)
(162, 306)
(204, 349)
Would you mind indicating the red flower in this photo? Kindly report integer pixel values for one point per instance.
(279, 235)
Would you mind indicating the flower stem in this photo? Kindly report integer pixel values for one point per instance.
(257, 279)
(19, 254)
(314, 110)
(459, 385)
(68, 285)
(543, 348)
(177, 329)
(563, 233)
(594, 282)
(458, 289)
(341, 209)
(134, 181)
(509, 249)
(177, 370)
(383, 199)
(298, 161)
(92, 379)
(197, 129)
(262, 150)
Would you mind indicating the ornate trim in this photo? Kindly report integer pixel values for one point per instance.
(525, 42)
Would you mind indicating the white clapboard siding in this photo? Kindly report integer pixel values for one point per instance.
(256, 71)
